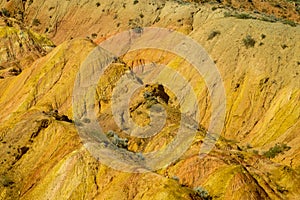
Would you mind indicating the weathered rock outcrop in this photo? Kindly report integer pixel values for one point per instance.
(42, 155)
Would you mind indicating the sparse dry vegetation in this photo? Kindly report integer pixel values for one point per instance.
(276, 150)
(5, 12)
(36, 22)
(202, 193)
(249, 41)
(213, 34)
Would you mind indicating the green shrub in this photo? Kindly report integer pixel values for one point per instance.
(277, 149)
(281, 189)
(269, 19)
(116, 140)
(5, 12)
(213, 34)
(148, 95)
(249, 41)
(214, 8)
(243, 16)
(239, 15)
(36, 22)
(202, 193)
(255, 152)
(298, 9)
(135, 2)
(182, 2)
(138, 29)
(150, 99)
(289, 22)
(94, 35)
(6, 181)
(227, 14)
(284, 46)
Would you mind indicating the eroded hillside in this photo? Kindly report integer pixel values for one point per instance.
(257, 155)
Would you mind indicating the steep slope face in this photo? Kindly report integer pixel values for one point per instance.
(70, 19)
(37, 144)
(43, 157)
(262, 81)
(20, 48)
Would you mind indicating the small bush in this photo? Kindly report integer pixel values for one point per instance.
(243, 16)
(94, 35)
(140, 156)
(150, 98)
(277, 149)
(98, 4)
(255, 152)
(239, 15)
(6, 181)
(202, 193)
(227, 14)
(271, 18)
(176, 178)
(214, 8)
(135, 2)
(138, 29)
(281, 189)
(249, 41)
(289, 22)
(5, 12)
(213, 34)
(148, 95)
(116, 140)
(298, 9)
(157, 19)
(36, 22)
(284, 46)
(182, 2)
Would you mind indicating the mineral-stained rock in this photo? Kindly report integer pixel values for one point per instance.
(42, 155)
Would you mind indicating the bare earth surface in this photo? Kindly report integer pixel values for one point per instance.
(255, 46)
